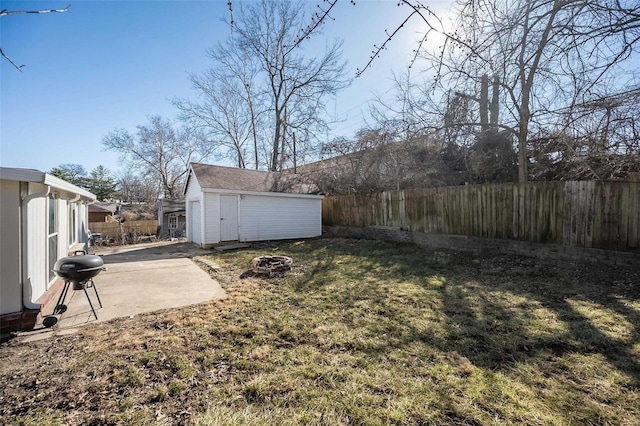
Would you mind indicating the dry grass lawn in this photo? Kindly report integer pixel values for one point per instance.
(360, 332)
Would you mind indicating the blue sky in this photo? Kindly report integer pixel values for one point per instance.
(111, 64)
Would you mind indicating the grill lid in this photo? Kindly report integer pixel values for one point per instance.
(78, 268)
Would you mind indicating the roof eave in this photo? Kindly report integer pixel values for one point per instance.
(36, 176)
(262, 193)
(69, 187)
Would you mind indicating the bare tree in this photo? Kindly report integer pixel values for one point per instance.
(228, 106)
(546, 54)
(5, 12)
(138, 188)
(283, 91)
(597, 139)
(375, 160)
(158, 149)
(543, 56)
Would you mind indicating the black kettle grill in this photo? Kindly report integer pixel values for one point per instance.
(78, 270)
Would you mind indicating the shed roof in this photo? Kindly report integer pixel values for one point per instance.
(112, 208)
(95, 208)
(172, 206)
(234, 179)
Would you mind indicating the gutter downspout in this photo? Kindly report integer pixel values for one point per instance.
(26, 292)
(84, 231)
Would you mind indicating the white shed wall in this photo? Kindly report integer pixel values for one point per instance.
(10, 286)
(273, 218)
(195, 221)
(193, 193)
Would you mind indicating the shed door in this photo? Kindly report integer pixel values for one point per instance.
(228, 217)
(195, 222)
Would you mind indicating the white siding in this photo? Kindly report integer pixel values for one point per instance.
(273, 218)
(193, 193)
(63, 227)
(37, 274)
(211, 218)
(24, 242)
(193, 189)
(83, 223)
(195, 221)
(10, 286)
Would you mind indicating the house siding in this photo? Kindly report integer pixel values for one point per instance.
(26, 281)
(62, 229)
(271, 218)
(36, 233)
(10, 286)
(36, 241)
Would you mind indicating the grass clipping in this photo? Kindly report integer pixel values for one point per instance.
(359, 332)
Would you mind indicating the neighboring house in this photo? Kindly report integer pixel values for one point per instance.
(172, 218)
(98, 213)
(42, 218)
(230, 204)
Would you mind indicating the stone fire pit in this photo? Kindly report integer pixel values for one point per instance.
(271, 265)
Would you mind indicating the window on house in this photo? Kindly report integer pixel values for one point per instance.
(72, 224)
(173, 225)
(52, 227)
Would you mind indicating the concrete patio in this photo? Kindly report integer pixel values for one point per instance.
(139, 278)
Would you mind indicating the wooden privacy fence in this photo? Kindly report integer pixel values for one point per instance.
(593, 214)
(115, 229)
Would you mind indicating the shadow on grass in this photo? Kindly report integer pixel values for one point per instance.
(141, 253)
(487, 310)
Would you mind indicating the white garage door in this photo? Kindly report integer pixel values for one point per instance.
(277, 218)
(196, 222)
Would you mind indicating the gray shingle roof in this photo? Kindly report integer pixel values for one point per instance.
(95, 208)
(234, 179)
(172, 206)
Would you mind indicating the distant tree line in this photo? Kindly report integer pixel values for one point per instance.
(99, 181)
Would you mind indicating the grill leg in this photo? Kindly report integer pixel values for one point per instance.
(96, 290)
(63, 295)
(84, 287)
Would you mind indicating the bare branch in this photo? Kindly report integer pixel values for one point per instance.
(16, 66)
(316, 21)
(425, 13)
(231, 21)
(5, 12)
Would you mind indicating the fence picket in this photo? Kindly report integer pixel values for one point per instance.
(594, 214)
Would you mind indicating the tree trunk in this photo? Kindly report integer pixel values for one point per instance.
(275, 148)
(484, 103)
(494, 108)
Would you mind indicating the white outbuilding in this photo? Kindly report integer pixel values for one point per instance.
(231, 204)
(42, 218)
